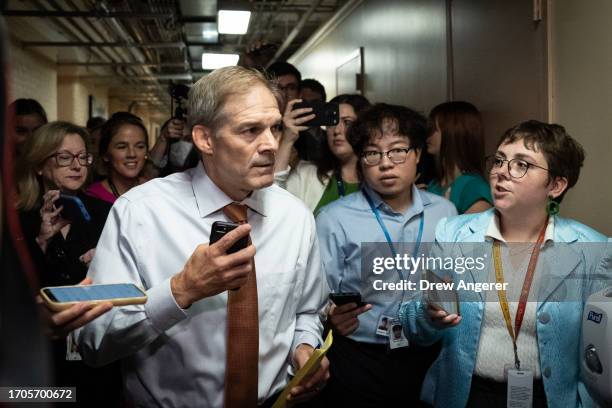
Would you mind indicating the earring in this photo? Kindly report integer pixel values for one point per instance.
(552, 207)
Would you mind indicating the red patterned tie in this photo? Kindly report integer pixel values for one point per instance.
(241, 371)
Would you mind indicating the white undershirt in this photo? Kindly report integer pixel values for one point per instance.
(495, 349)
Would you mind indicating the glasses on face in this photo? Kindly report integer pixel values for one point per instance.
(65, 159)
(517, 168)
(397, 156)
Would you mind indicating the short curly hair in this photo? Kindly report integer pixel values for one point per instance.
(564, 155)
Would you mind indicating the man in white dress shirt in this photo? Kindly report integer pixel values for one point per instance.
(203, 302)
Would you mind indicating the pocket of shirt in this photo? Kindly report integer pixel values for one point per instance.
(277, 294)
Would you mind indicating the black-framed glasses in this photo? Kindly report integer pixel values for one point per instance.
(397, 155)
(517, 168)
(65, 159)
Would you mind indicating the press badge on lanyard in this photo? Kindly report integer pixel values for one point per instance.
(520, 388)
(520, 380)
(397, 338)
(389, 325)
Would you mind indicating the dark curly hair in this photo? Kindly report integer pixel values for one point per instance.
(564, 155)
(369, 124)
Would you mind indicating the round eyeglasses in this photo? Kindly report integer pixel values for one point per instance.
(517, 168)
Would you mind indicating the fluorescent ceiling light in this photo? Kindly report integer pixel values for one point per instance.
(210, 35)
(233, 21)
(209, 32)
(214, 60)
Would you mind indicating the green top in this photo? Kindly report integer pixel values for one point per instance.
(331, 192)
(465, 191)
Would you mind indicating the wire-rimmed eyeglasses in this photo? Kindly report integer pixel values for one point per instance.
(517, 168)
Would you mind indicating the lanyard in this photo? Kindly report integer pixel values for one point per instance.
(340, 183)
(503, 301)
(386, 231)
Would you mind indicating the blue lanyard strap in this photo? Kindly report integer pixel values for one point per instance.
(381, 223)
(385, 231)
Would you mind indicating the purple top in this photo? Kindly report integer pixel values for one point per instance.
(97, 190)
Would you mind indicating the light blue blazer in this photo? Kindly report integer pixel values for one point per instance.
(558, 325)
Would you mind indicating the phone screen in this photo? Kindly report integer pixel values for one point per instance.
(93, 292)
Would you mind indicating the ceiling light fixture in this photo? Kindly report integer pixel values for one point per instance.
(233, 21)
(211, 60)
(209, 32)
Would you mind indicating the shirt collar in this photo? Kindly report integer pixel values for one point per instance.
(419, 201)
(494, 231)
(210, 198)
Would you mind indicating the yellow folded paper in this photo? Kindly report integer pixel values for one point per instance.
(310, 367)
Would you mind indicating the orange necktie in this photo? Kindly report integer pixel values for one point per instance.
(241, 371)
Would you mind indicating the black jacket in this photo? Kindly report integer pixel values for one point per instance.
(60, 265)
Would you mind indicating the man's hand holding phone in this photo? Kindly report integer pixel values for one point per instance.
(343, 319)
(210, 270)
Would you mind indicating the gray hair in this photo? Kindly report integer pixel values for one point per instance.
(208, 96)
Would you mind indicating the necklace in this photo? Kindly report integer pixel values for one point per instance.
(113, 188)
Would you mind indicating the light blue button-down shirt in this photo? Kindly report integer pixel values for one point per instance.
(345, 224)
(174, 357)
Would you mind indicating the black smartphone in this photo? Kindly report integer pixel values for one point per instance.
(343, 298)
(74, 209)
(326, 114)
(220, 228)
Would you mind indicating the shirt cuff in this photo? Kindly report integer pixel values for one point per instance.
(306, 338)
(302, 338)
(161, 307)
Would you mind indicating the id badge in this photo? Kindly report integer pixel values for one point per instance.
(72, 352)
(397, 338)
(384, 322)
(520, 388)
